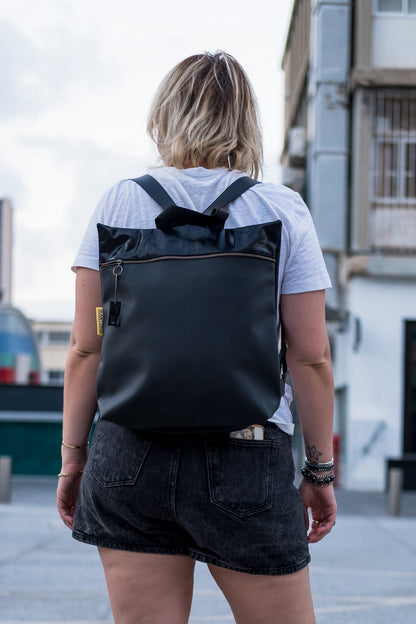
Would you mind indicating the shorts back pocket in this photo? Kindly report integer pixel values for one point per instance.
(240, 474)
(117, 454)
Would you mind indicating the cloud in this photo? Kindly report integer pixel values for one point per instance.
(18, 53)
(41, 71)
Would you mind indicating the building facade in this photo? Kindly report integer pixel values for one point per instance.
(53, 338)
(350, 149)
(5, 251)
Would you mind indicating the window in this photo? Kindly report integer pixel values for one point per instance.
(395, 6)
(52, 337)
(395, 141)
(55, 377)
(394, 169)
(59, 337)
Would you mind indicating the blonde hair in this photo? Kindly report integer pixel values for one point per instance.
(205, 114)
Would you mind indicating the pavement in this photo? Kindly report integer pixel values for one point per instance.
(363, 572)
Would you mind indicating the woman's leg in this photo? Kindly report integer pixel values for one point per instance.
(256, 599)
(147, 588)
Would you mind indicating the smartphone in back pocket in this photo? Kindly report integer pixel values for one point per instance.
(253, 432)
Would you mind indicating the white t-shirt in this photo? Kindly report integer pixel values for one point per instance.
(301, 266)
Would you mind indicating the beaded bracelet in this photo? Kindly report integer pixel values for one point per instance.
(314, 479)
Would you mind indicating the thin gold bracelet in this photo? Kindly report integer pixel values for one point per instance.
(70, 474)
(75, 446)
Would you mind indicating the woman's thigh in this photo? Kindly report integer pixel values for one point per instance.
(256, 599)
(148, 588)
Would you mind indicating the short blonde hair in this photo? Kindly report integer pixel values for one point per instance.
(205, 114)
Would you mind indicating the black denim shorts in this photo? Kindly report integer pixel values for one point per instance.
(224, 501)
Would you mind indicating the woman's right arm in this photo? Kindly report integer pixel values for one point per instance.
(80, 396)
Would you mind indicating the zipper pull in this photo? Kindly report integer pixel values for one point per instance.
(115, 306)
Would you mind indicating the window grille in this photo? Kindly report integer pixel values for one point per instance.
(393, 205)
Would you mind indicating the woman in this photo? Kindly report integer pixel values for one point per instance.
(149, 532)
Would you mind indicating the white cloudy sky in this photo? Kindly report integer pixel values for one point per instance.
(76, 81)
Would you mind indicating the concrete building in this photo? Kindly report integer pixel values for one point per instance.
(53, 338)
(5, 251)
(350, 149)
(19, 356)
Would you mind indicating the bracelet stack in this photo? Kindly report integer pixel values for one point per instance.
(311, 473)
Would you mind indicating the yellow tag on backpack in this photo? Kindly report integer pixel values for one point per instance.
(100, 321)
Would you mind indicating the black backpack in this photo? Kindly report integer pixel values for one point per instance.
(190, 342)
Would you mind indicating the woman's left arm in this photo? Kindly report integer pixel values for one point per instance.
(80, 395)
(309, 363)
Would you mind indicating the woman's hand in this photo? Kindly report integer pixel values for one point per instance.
(67, 494)
(321, 501)
(73, 464)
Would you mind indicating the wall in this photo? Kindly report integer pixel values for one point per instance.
(328, 121)
(31, 428)
(394, 41)
(295, 61)
(360, 169)
(375, 372)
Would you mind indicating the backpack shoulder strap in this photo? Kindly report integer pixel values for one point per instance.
(155, 190)
(161, 197)
(237, 188)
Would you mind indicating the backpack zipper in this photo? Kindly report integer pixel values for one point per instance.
(235, 254)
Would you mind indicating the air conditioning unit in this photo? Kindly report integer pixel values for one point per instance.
(297, 147)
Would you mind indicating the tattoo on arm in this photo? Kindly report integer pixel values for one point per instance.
(313, 454)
